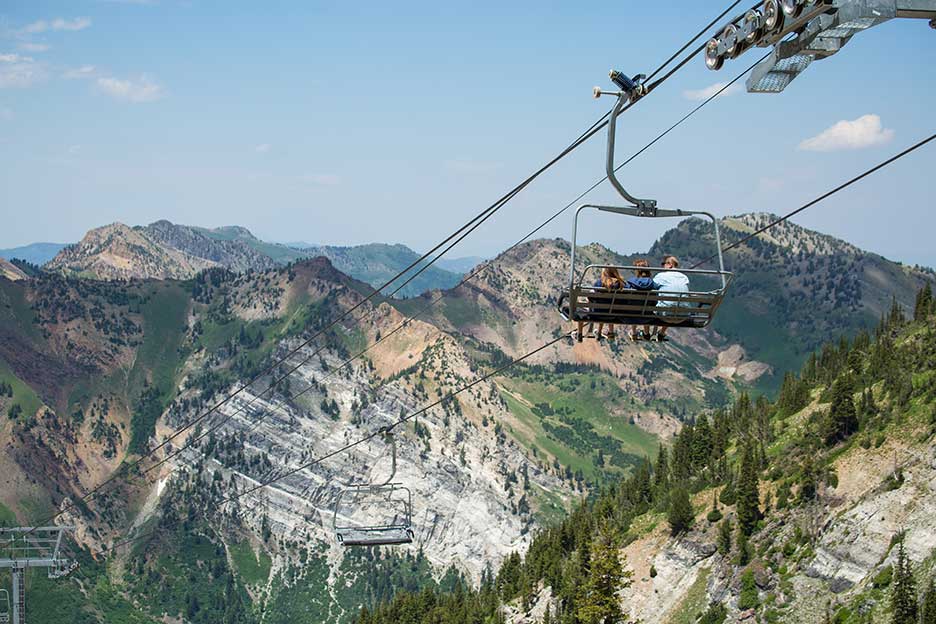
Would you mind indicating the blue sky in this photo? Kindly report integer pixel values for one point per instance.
(345, 123)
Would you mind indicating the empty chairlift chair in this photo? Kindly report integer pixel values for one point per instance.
(4, 606)
(584, 302)
(394, 527)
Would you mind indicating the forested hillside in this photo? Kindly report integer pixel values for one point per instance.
(760, 499)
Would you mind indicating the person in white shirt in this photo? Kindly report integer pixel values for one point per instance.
(669, 281)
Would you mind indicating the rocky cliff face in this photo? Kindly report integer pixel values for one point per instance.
(465, 507)
(10, 271)
(161, 250)
(119, 252)
(236, 254)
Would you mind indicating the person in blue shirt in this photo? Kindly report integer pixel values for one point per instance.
(641, 280)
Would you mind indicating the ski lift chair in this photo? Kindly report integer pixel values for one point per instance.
(4, 606)
(584, 302)
(396, 531)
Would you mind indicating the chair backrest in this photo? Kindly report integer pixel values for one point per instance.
(652, 307)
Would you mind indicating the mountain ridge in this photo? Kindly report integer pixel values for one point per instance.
(164, 250)
(102, 370)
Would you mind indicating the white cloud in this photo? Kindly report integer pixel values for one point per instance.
(846, 135)
(85, 71)
(59, 24)
(322, 179)
(33, 47)
(74, 149)
(137, 91)
(263, 148)
(19, 71)
(704, 94)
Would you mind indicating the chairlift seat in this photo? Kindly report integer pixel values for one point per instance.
(627, 306)
(583, 303)
(375, 536)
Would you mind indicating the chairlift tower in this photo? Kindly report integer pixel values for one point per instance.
(803, 31)
(29, 547)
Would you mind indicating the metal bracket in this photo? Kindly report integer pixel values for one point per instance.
(632, 90)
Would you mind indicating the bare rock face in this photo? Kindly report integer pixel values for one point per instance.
(235, 254)
(161, 250)
(470, 505)
(10, 271)
(733, 364)
(119, 252)
(859, 540)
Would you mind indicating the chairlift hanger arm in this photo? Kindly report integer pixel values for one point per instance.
(631, 91)
(388, 437)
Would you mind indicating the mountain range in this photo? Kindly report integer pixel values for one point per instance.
(164, 250)
(136, 332)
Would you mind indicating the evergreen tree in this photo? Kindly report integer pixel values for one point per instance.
(809, 483)
(924, 303)
(794, 394)
(928, 608)
(728, 494)
(701, 443)
(680, 512)
(661, 471)
(903, 592)
(745, 552)
(896, 316)
(681, 469)
(748, 497)
(842, 419)
(724, 537)
(748, 596)
(715, 514)
(597, 601)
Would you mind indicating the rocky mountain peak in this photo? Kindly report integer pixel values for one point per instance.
(790, 236)
(117, 251)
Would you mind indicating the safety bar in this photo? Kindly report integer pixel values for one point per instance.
(375, 488)
(659, 213)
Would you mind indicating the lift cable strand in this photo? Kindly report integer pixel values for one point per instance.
(825, 195)
(700, 34)
(379, 432)
(470, 226)
(425, 308)
(318, 460)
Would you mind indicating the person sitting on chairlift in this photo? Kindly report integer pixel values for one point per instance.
(669, 281)
(610, 280)
(642, 280)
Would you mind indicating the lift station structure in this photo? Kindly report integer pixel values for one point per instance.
(29, 547)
